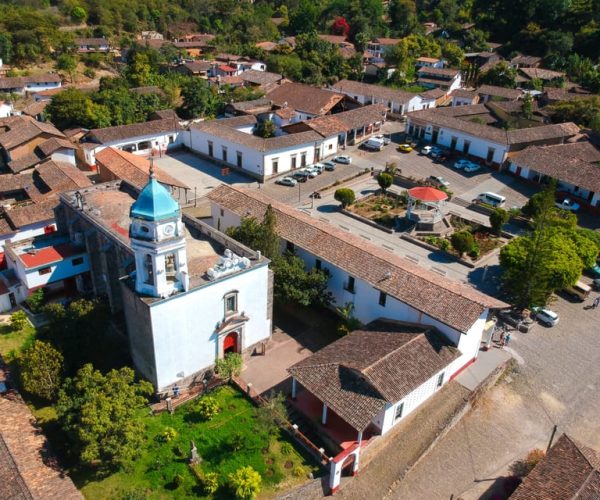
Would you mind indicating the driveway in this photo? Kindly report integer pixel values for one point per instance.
(556, 382)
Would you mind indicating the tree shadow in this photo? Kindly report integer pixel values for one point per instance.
(328, 209)
(501, 488)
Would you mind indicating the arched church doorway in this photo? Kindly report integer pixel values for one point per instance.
(230, 343)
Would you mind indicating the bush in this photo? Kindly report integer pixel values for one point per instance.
(345, 196)
(178, 480)
(463, 242)
(18, 321)
(210, 483)
(36, 300)
(299, 471)
(498, 218)
(444, 244)
(230, 366)
(245, 483)
(475, 252)
(89, 72)
(385, 180)
(208, 407)
(168, 434)
(286, 449)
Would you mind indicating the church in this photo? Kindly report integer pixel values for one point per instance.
(189, 293)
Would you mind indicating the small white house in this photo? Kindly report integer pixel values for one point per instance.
(447, 79)
(153, 137)
(30, 84)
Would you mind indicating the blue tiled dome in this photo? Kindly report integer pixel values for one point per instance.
(154, 203)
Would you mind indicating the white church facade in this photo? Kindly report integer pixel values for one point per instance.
(189, 293)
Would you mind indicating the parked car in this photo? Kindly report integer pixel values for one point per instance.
(386, 139)
(319, 167)
(438, 153)
(472, 167)
(345, 159)
(405, 148)
(594, 271)
(596, 284)
(300, 175)
(462, 163)
(438, 180)
(425, 150)
(312, 173)
(568, 204)
(579, 291)
(374, 144)
(329, 165)
(545, 316)
(287, 181)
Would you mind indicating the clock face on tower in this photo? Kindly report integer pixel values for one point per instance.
(169, 229)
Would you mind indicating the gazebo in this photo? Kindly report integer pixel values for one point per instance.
(425, 206)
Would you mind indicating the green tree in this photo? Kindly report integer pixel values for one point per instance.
(78, 14)
(463, 242)
(40, 370)
(245, 483)
(72, 108)
(384, 180)
(68, 64)
(266, 129)
(199, 99)
(268, 240)
(18, 321)
(98, 415)
(501, 75)
(498, 218)
(6, 48)
(527, 106)
(453, 54)
(229, 366)
(294, 284)
(248, 233)
(345, 196)
(349, 321)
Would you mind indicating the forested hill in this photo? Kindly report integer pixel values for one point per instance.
(549, 28)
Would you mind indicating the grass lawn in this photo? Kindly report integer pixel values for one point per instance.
(380, 208)
(225, 443)
(13, 341)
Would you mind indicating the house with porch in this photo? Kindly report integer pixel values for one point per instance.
(447, 79)
(397, 101)
(88, 45)
(145, 139)
(377, 48)
(574, 166)
(476, 131)
(189, 293)
(417, 320)
(30, 84)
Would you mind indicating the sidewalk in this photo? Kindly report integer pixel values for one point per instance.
(486, 363)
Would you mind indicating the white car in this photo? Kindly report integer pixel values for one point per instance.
(345, 159)
(386, 139)
(425, 150)
(287, 181)
(568, 204)
(545, 316)
(439, 180)
(472, 167)
(312, 173)
(319, 167)
(460, 164)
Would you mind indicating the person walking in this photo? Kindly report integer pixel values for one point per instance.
(596, 302)
(507, 339)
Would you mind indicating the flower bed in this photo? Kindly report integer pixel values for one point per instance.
(380, 208)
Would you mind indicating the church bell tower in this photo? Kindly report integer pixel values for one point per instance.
(158, 241)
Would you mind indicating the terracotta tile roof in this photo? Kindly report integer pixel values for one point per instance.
(558, 94)
(266, 46)
(542, 74)
(252, 107)
(224, 129)
(311, 100)
(230, 80)
(164, 114)
(24, 130)
(442, 73)
(459, 118)
(132, 168)
(226, 69)
(10, 182)
(387, 41)
(124, 132)
(198, 66)
(30, 214)
(345, 121)
(35, 108)
(356, 375)
(464, 93)
(432, 94)
(260, 77)
(570, 163)
(28, 469)
(94, 42)
(569, 471)
(353, 88)
(23, 163)
(493, 90)
(454, 304)
(22, 81)
(525, 61)
(428, 59)
(54, 144)
(62, 176)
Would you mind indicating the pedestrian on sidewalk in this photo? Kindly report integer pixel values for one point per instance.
(507, 339)
(596, 302)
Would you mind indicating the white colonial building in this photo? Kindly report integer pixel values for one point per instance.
(189, 293)
(422, 329)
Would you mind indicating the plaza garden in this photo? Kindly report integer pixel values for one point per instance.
(240, 450)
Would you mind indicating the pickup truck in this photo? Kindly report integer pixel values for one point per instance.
(567, 204)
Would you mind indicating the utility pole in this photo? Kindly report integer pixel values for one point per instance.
(551, 438)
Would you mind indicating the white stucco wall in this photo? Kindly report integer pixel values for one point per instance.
(25, 233)
(65, 155)
(63, 269)
(183, 326)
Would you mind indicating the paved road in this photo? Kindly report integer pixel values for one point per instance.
(557, 382)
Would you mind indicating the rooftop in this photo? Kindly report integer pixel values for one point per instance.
(452, 303)
(442, 73)
(44, 251)
(353, 88)
(260, 77)
(21, 81)
(542, 74)
(358, 374)
(569, 471)
(123, 132)
(493, 90)
(21, 129)
(107, 206)
(311, 100)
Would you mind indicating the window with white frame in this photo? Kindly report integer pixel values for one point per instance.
(231, 303)
(440, 380)
(399, 411)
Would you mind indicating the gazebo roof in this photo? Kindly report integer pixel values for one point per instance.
(427, 194)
